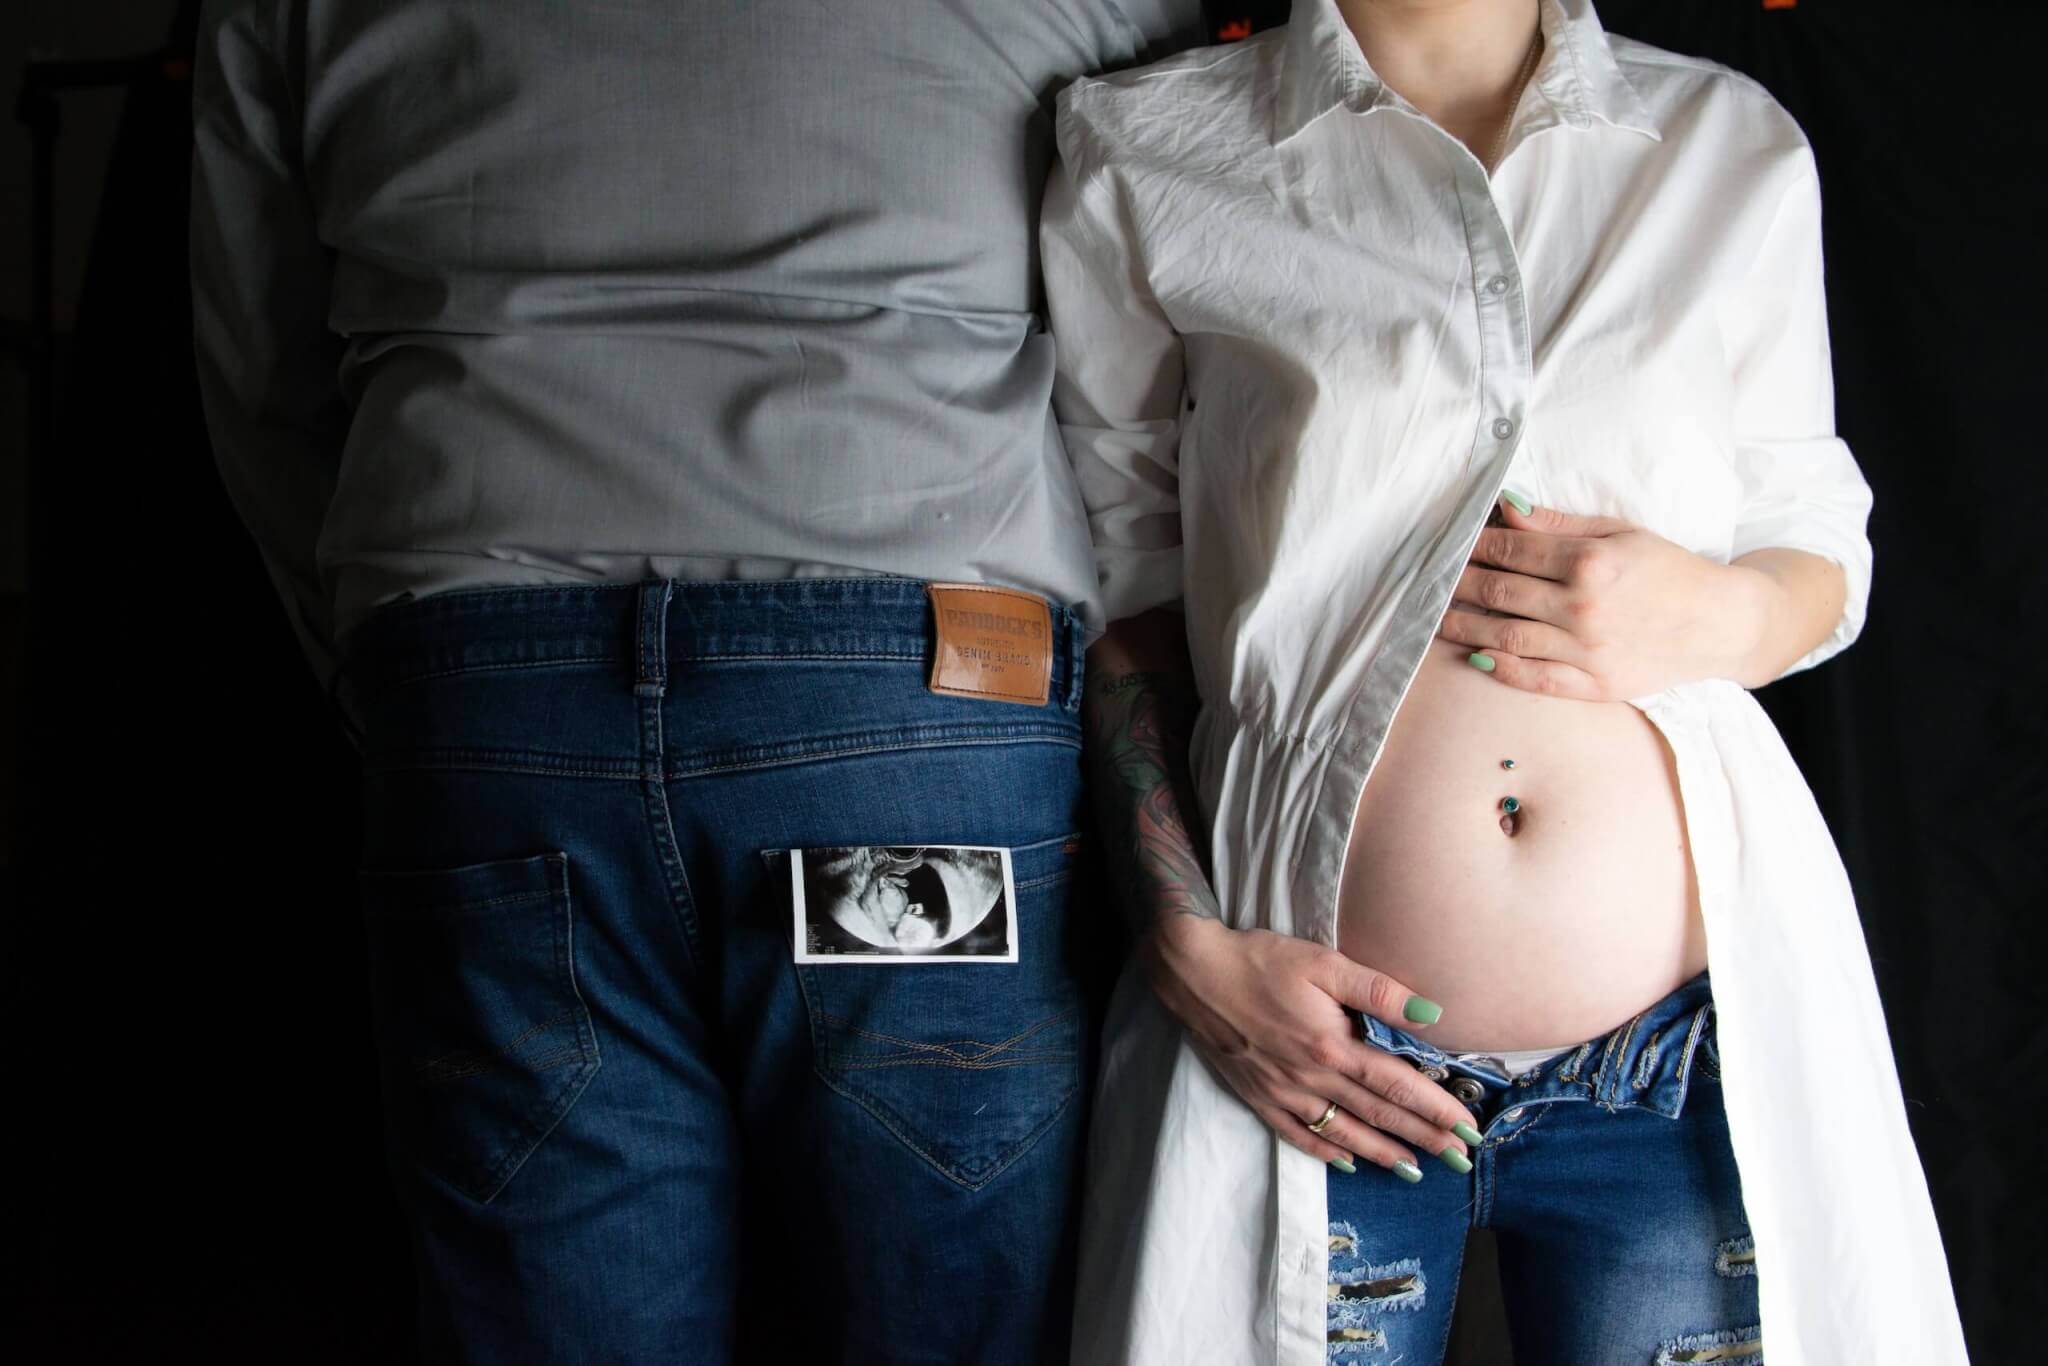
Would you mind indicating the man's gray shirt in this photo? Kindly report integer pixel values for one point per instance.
(533, 292)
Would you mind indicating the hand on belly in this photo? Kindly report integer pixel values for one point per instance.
(1540, 903)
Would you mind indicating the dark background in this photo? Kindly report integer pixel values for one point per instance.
(198, 1171)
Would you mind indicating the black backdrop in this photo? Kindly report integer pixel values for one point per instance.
(193, 1065)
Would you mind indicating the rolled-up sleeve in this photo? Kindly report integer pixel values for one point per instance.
(266, 359)
(1119, 387)
(1802, 489)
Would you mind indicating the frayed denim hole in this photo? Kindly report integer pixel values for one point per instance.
(1355, 1344)
(1736, 1257)
(1730, 1347)
(1359, 1290)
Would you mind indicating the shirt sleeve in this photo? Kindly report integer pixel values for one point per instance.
(1118, 390)
(1802, 489)
(267, 363)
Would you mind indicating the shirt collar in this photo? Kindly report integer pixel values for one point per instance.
(1322, 68)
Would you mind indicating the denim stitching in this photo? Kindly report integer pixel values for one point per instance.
(1646, 1064)
(1020, 1060)
(442, 907)
(374, 693)
(528, 1133)
(886, 1118)
(661, 829)
(947, 1054)
(546, 1062)
(829, 657)
(503, 761)
(1542, 1109)
(1692, 1039)
(580, 766)
(433, 1069)
(850, 1027)
(882, 1115)
(1606, 1081)
(815, 756)
(1570, 1071)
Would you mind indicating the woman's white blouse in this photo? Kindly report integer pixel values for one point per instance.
(1303, 342)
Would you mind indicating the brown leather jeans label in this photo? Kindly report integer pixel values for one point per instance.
(993, 642)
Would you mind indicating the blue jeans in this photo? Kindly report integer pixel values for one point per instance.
(624, 1124)
(1607, 1178)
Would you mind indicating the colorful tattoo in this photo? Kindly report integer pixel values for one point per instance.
(1139, 726)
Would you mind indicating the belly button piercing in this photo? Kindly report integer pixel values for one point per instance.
(1507, 763)
(1511, 804)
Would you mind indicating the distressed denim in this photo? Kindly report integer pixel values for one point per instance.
(1607, 1178)
(624, 1124)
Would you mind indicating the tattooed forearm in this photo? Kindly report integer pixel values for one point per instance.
(1139, 725)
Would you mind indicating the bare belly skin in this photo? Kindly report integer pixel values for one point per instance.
(1549, 936)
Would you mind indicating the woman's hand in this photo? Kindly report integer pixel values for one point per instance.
(1603, 611)
(1267, 1012)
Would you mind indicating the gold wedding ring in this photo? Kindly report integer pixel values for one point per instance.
(1328, 1115)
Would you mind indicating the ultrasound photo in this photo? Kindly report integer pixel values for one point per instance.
(916, 903)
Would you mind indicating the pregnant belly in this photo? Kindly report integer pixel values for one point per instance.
(1553, 927)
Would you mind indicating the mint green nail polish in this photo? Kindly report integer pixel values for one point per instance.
(1408, 1171)
(1468, 1133)
(1456, 1160)
(1343, 1164)
(1421, 1010)
(1483, 663)
(1516, 501)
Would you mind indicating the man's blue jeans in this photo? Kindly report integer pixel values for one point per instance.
(625, 1125)
(1608, 1180)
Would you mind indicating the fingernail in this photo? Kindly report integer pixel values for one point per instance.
(1343, 1164)
(1468, 1133)
(1408, 1171)
(1456, 1160)
(1483, 663)
(1421, 1010)
(1516, 501)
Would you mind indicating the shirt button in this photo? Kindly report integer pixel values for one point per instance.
(1497, 285)
(1502, 429)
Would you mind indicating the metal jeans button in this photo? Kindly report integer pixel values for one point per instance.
(1467, 1090)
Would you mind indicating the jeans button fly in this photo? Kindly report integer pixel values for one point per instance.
(1467, 1090)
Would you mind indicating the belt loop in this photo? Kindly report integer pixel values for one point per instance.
(1077, 668)
(651, 677)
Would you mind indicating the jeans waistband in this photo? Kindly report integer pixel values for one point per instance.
(1648, 1061)
(658, 624)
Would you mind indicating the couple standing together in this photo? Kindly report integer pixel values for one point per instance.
(645, 415)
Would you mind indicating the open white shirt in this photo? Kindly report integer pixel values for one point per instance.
(1303, 342)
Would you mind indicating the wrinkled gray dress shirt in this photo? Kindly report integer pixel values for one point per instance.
(531, 292)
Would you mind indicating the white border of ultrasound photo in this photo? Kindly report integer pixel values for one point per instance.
(861, 932)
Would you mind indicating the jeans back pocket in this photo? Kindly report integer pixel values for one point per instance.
(967, 1064)
(484, 1039)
